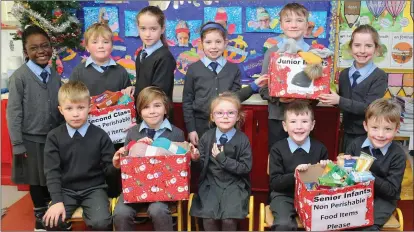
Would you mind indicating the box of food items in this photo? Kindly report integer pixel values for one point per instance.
(114, 112)
(159, 171)
(337, 197)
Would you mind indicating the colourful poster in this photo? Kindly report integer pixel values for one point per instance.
(104, 14)
(183, 33)
(229, 17)
(402, 51)
(131, 28)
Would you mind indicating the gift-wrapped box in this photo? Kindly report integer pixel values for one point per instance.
(156, 178)
(288, 79)
(332, 209)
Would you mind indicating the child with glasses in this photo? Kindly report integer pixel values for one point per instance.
(225, 162)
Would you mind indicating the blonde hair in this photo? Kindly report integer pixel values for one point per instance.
(149, 94)
(299, 107)
(96, 30)
(232, 98)
(384, 109)
(367, 29)
(297, 8)
(74, 91)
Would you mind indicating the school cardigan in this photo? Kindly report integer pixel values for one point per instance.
(387, 169)
(353, 102)
(77, 163)
(156, 69)
(282, 164)
(175, 135)
(202, 85)
(32, 108)
(114, 79)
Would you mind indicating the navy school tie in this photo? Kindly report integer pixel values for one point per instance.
(355, 76)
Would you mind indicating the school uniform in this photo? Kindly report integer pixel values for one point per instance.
(224, 183)
(110, 76)
(285, 156)
(32, 111)
(388, 170)
(159, 212)
(202, 84)
(370, 85)
(76, 163)
(275, 107)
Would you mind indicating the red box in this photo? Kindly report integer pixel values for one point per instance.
(333, 209)
(156, 178)
(288, 80)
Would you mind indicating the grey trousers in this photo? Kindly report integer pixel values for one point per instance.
(124, 215)
(284, 212)
(95, 205)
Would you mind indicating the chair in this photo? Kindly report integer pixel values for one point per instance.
(176, 211)
(395, 223)
(250, 215)
(77, 216)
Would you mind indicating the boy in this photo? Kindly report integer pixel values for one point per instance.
(78, 155)
(295, 152)
(293, 22)
(100, 72)
(382, 120)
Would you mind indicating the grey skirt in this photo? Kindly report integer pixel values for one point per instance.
(28, 169)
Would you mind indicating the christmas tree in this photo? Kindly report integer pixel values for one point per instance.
(57, 18)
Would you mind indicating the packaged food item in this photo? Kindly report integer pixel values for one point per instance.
(311, 185)
(364, 162)
(359, 177)
(124, 99)
(329, 181)
(336, 175)
(105, 99)
(328, 168)
(349, 165)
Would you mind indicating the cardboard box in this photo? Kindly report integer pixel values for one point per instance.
(333, 209)
(156, 178)
(288, 80)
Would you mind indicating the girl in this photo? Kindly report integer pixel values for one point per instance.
(32, 111)
(360, 84)
(152, 105)
(225, 161)
(155, 64)
(209, 77)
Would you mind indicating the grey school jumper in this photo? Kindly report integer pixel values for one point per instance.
(115, 78)
(32, 108)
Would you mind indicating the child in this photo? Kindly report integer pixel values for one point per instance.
(360, 84)
(31, 114)
(209, 77)
(77, 157)
(155, 64)
(152, 105)
(225, 162)
(382, 120)
(100, 72)
(297, 151)
(293, 22)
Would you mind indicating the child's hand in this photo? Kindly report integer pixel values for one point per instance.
(323, 163)
(193, 136)
(215, 150)
(302, 167)
(329, 99)
(347, 157)
(286, 100)
(146, 140)
(262, 80)
(129, 91)
(52, 215)
(116, 160)
(195, 154)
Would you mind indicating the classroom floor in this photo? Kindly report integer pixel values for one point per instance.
(9, 195)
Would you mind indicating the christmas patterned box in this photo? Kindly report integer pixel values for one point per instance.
(288, 79)
(156, 178)
(333, 209)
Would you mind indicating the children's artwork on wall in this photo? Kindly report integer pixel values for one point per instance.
(118, 47)
(317, 24)
(110, 1)
(229, 17)
(129, 65)
(236, 50)
(104, 14)
(183, 61)
(131, 28)
(261, 19)
(183, 33)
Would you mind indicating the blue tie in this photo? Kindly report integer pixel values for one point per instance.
(355, 76)
(214, 65)
(223, 139)
(143, 55)
(150, 133)
(104, 68)
(376, 152)
(44, 76)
